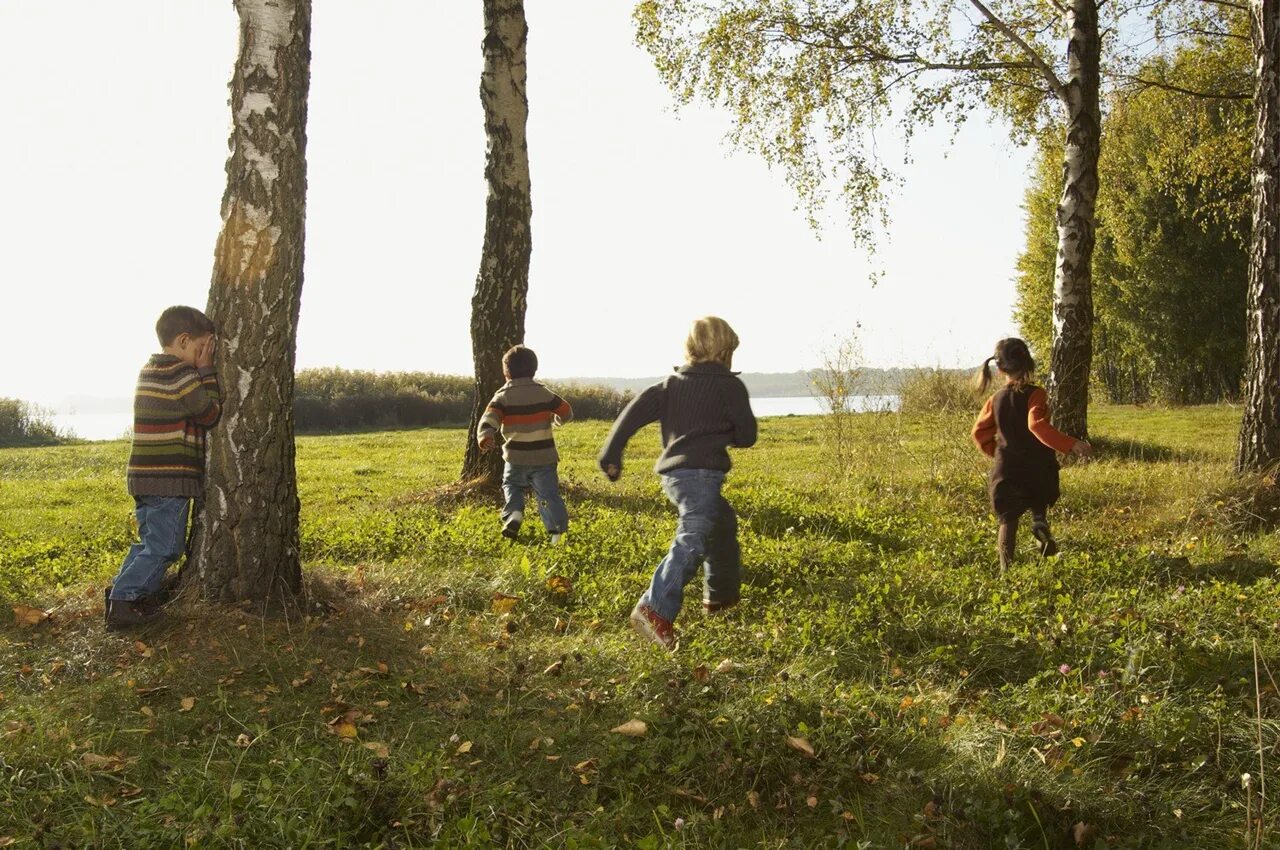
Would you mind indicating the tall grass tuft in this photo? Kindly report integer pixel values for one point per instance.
(939, 391)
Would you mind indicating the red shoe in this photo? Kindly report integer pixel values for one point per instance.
(709, 607)
(651, 626)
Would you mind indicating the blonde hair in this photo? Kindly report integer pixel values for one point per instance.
(711, 340)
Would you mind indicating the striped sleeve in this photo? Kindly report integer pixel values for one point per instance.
(491, 421)
(561, 410)
(201, 397)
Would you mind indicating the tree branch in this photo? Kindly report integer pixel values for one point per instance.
(1035, 58)
(1168, 86)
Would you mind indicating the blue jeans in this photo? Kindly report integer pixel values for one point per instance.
(517, 478)
(707, 534)
(162, 536)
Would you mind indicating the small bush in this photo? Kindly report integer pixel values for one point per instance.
(939, 391)
(24, 424)
(353, 400)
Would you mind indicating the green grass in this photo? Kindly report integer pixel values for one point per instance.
(875, 625)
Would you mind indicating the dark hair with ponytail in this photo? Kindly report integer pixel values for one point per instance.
(1013, 358)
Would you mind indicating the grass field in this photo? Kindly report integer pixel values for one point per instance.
(882, 686)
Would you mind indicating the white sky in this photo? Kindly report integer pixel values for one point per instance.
(116, 126)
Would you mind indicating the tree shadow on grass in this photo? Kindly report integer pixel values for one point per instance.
(1141, 451)
(1236, 569)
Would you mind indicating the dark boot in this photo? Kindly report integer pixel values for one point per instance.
(1040, 531)
(124, 615)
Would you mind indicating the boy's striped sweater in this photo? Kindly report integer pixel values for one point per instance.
(174, 405)
(524, 411)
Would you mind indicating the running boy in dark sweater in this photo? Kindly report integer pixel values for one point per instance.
(176, 401)
(702, 409)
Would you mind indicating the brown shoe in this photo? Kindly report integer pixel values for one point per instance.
(709, 607)
(123, 615)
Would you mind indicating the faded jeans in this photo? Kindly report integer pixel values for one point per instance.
(706, 534)
(516, 478)
(162, 538)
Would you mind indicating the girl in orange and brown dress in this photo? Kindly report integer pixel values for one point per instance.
(1014, 429)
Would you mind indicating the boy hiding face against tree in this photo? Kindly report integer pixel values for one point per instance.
(523, 411)
(176, 401)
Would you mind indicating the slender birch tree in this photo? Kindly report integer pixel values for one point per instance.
(1259, 445)
(498, 305)
(809, 81)
(247, 535)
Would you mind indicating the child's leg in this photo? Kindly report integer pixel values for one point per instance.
(162, 536)
(546, 486)
(514, 481)
(1008, 539)
(1040, 531)
(723, 566)
(695, 493)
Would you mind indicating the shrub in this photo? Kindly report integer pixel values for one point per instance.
(335, 399)
(24, 424)
(939, 391)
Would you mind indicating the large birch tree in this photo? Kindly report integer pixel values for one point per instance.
(498, 305)
(1259, 445)
(247, 536)
(810, 81)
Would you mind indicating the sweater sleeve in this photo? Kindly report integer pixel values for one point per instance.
(984, 430)
(1038, 423)
(745, 430)
(642, 410)
(491, 421)
(562, 411)
(201, 397)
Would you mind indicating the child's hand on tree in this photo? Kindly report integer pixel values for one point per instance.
(204, 351)
(1082, 449)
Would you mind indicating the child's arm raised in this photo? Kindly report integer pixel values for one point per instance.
(642, 410)
(1038, 423)
(202, 397)
(984, 430)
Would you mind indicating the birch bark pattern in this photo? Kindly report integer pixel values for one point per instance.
(1259, 445)
(246, 543)
(498, 305)
(1072, 355)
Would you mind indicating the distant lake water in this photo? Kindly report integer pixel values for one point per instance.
(116, 426)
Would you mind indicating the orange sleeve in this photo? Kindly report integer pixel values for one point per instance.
(984, 430)
(1038, 424)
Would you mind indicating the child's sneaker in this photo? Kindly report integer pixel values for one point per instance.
(511, 528)
(556, 538)
(1040, 531)
(651, 626)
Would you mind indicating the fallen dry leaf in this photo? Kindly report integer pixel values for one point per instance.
(243, 741)
(108, 764)
(344, 728)
(7, 841)
(142, 649)
(753, 798)
(26, 616)
(559, 584)
(1081, 833)
(812, 802)
(632, 728)
(554, 668)
(188, 703)
(726, 666)
(802, 745)
(380, 749)
(464, 748)
(504, 603)
(700, 673)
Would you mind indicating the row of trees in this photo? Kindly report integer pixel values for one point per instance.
(809, 82)
(1170, 268)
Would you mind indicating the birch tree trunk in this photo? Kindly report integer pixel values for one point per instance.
(1072, 354)
(247, 534)
(498, 306)
(1259, 446)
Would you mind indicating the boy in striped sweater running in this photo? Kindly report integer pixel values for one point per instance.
(176, 401)
(523, 412)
